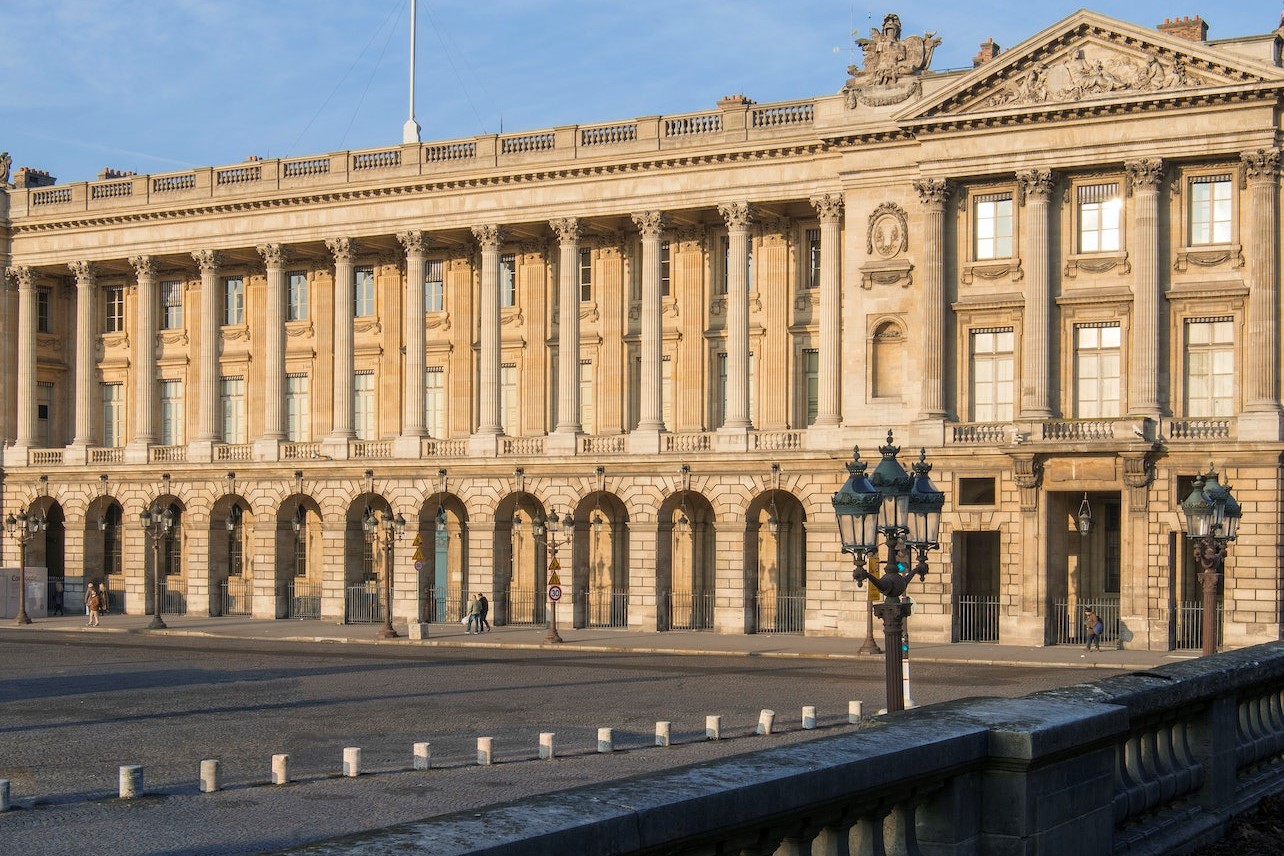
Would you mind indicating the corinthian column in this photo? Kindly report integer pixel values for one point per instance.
(274, 259)
(145, 314)
(651, 393)
(489, 238)
(568, 325)
(207, 427)
(1261, 388)
(1036, 401)
(933, 194)
(86, 279)
(1144, 177)
(344, 251)
(829, 207)
(738, 216)
(25, 277)
(412, 420)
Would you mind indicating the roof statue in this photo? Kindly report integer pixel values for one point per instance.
(5, 163)
(889, 73)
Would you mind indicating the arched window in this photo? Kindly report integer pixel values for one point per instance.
(887, 369)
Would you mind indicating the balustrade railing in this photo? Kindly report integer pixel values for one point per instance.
(300, 451)
(46, 457)
(376, 160)
(233, 452)
(607, 444)
(167, 454)
(979, 433)
(434, 448)
(687, 442)
(305, 167)
(782, 115)
(107, 455)
(238, 175)
(57, 196)
(113, 190)
(445, 152)
(609, 134)
(778, 441)
(1199, 429)
(522, 445)
(371, 448)
(1079, 429)
(525, 143)
(687, 126)
(172, 183)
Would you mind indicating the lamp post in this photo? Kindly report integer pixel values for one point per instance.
(157, 523)
(547, 532)
(1212, 522)
(384, 531)
(906, 511)
(22, 529)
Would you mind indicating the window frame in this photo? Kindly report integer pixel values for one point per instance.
(114, 309)
(972, 410)
(233, 301)
(297, 295)
(363, 291)
(171, 311)
(434, 289)
(986, 196)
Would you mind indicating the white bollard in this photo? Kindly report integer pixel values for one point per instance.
(766, 720)
(281, 769)
(423, 756)
(4, 794)
(662, 733)
(809, 716)
(546, 746)
(131, 781)
(211, 776)
(713, 727)
(605, 740)
(853, 712)
(352, 761)
(485, 751)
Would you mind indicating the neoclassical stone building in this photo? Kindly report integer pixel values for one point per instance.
(1057, 272)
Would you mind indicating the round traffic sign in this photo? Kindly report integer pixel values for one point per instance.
(554, 592)
(419, 566)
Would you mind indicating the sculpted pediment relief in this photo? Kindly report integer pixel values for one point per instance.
(1089, 58)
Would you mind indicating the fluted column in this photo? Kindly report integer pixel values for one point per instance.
(1036, 388)
(737, 215)
(145, 314)
(207, 428)
(567, 230)
(25, 277)
(412, 419)
(829, 207)
(1262, 393)
(86, 279)
(651, 392)
(344, 251)
(489, 238)
(274, 259)
(1144, 177)
(933, 194)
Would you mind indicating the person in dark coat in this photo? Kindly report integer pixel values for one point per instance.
(483, 619)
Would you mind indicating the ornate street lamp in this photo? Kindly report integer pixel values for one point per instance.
(22, 529)
(547, 532)
(384, 531)
(1212, 522)
(906, 511)
(157, 523)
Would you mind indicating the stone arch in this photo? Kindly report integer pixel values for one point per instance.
(685, 578)
(775, 571)
(887, 359)
(443, 528)
(600, 578)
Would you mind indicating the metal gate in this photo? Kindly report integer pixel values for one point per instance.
(977, 617)
(688, 611)
(362, 605)
(1067, 620)
(608, 608)
(235, 596)
(302, 600)
(781, 613)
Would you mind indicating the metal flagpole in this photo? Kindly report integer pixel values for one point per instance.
(410, 131)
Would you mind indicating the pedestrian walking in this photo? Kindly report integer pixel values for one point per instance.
(1092, 623)
(104, 599)
(474, 615)
(483, 610)
(57, 597)
(92, 604)
(90, 591)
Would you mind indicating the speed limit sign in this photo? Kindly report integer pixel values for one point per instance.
(555, 593)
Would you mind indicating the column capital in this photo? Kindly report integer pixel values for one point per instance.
(1262, 164)
(829, 206)
(274, 255)
(489, 237)
(85, 272)
(22, 276)
(207, 260)
(414, 242)
(737, 214)
(343, 249)
(144, 266)
(1035, 183)
(932, 191)
(1145, 174)
(650, 223)
(567, 229)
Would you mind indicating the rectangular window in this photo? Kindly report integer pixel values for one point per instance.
(1097, 364)
(992, 369)
(44, 321)
(666, 392)
(666, 270)
(435, 402)
(298, 408)
(586, 275)
(233, 301)
(507, 281)
(810, 385)
(508, 398)
(1100, 209)
(113, 415)
(586, 397)
(1210, 367)
(363, 292)
(363, 405)
(720, 389)
(993, 226)
(232, 401)
(726, 264)
(171, 308)
(434, 286)
(171, 412)
(45, 415)
(1211, 217)
(114, 317)
(812, 279)
(296, 296)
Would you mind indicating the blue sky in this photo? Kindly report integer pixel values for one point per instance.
(165, 85)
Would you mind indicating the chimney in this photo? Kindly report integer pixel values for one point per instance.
(28, 177)
(728, 101)
(989, 50)
(1191, 28)
(109, 173)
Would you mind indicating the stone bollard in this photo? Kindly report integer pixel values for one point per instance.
(423, 756)
(280, 769)
(766, 720)
(211, 776)
(4, 794)
(546, 746)
(131, 781)
(417, 630)
(853, 712)
(352, 761)
(713, 727)
(662, 730)
(809, 717)
(485, 751)
(605, 740)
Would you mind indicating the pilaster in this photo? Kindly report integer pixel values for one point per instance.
(1036, 187)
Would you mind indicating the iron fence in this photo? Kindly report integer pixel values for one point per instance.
(362, 605)
(443, 608)
(977, 617)
(1188, 626)
(607, 608)
(689, 610)
(1068, 627)
(527, 607)
(235, 596)
(780, 613)
(302, 599)
(173, 598)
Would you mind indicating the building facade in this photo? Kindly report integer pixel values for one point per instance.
(1057, 273)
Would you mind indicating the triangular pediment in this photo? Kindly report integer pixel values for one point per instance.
(1085, 59)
